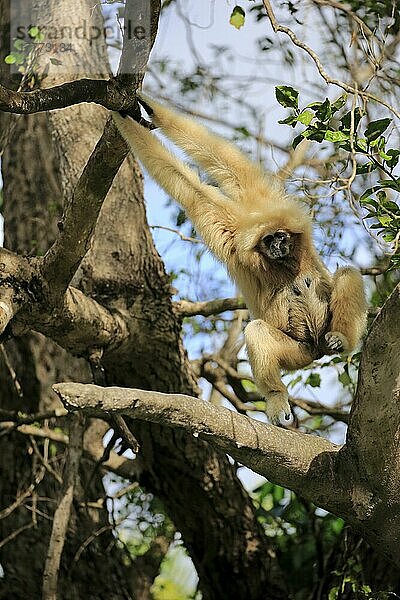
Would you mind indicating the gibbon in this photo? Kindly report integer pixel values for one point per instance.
(300, 310)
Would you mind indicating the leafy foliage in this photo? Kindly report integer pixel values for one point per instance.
(330, 122)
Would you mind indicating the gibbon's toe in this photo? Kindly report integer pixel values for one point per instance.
(277, 407)
(336, 341)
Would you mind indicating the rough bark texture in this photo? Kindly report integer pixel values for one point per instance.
(123, 272)
(38, 363)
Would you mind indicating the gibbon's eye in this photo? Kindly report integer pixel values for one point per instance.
(276, 246)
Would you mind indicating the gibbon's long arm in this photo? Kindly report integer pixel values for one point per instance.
(348, 307)
(210, 211)
(226, 165)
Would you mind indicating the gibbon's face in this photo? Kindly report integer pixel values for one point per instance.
(276, 246)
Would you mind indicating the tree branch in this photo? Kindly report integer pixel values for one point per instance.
(375, 417)
(210, 307)
(108, 93)
(303, 463)
(330, 80)
(63, 510)
(78, 323)
(80, 216)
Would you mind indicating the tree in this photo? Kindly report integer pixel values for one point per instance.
(87, 282)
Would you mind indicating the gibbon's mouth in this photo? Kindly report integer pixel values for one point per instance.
(276, 246)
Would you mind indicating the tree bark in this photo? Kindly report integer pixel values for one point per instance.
(122, 271)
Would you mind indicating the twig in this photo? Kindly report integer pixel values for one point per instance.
(314, 408)
(63, 510)
(15, 533)
(89, 540)
(7, 427)
(183, 237)
(317, 61)
(344, 8)
(11, 370)
(28, 492)
(44, 461)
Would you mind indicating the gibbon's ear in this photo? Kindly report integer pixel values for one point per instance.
(226, 165)
(213, 214)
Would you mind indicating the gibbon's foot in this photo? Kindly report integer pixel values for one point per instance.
(337, 342)
(277, 407)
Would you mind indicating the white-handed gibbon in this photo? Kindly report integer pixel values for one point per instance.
(300, 310)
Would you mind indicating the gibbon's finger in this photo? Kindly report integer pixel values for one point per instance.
(205, 205)
(227, 166)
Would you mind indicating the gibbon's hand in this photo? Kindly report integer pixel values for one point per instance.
(337, 342)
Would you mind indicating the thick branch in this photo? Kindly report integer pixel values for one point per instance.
(79, 220)
(301, 462)
(80, 216)
(375, 417)
(108, 93)
(78, 323)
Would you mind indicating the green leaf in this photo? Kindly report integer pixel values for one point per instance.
(365, 168)
(10, 59)
(389, 183)
(19, 58)
(287, 96)
(314, 105)
(361, 145)
(291, 120)
(344, 378)
(336, 136)
(294, 381)
(366, 194)
(394, 157)
(324, 112)
(33, 31)
(315, 134)
(392, 206)
(181, 217)
(237, 17)
(333, 593)
(339, 103)
(305, 117)
(385, 220)
(297, 140)
(376, 128)
(18, 44)
(346, 119)
(314, 380)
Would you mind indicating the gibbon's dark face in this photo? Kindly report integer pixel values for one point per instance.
(276, 246)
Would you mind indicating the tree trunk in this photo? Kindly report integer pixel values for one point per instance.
(198, 487)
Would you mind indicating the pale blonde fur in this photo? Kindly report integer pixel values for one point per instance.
(301, 311)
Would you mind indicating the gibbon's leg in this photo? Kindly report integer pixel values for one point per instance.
(211, 212)
(227, 166)
(349, 311)
(270, 350)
